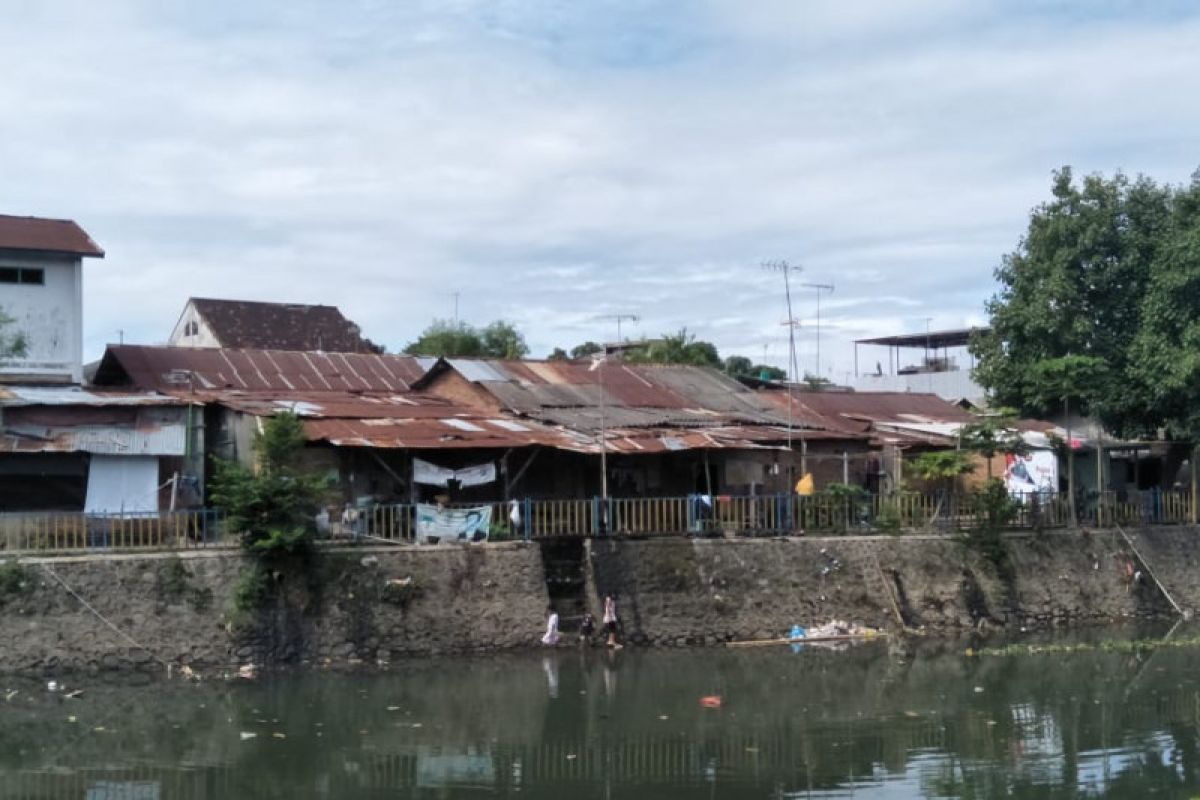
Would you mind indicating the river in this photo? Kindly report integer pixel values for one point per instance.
(867, 722)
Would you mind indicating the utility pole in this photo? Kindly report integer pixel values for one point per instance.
(788, 270)
(455, 295)
(598, 363)
(819, 287)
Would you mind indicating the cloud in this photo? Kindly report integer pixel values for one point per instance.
(558, 163)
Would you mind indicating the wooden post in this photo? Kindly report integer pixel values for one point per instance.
(1195, 485)
(1099, 475)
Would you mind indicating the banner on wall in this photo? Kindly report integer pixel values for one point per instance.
(1036, 471)
(452, 524)
(433, 475)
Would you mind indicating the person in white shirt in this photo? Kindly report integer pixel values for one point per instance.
(551, 637)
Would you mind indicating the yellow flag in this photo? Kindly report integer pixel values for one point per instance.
(805, 485)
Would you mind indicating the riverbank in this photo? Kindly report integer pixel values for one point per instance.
(378, 605)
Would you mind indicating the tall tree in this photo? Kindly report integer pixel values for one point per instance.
(585, 349)
(1071, 301)
(12, 344)
(448, 339)
(677, 348)
(1165, 352)
(502, 340)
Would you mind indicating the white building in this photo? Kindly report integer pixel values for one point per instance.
(944, 368)
(41, 292)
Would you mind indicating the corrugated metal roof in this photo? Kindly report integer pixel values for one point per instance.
(181, 370)
(578, 395)
(37, 234)
(75, 396)
(150, 433)
(416, 421)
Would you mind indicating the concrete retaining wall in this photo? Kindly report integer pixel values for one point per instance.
(670, 592)
(180, 609)
(706, 591)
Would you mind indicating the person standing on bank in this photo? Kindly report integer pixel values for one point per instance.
(610, 621)
(550, 639)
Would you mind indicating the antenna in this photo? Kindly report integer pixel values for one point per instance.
(619, 319)
(819, 287)
(455, 294)
(788, 270)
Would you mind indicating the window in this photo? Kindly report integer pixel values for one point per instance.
(25, 275)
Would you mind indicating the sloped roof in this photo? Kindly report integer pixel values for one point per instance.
(37, 234)
(854, 410)
(423, 422)
(280, 326)
(616, 395)
(181, 370)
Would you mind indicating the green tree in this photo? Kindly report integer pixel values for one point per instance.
(12, 345)
(940, 468)
(1165, 352)
(449, 339)
(991, 435)
(501, 339)
(738, 365)
(1074, 289)
(558, 354)
(273, 504)
(677, 348)
(585, 349)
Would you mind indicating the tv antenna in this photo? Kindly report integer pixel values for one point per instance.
(819, 287)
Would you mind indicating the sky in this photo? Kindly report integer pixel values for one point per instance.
(558, 163)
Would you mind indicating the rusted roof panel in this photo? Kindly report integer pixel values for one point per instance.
(38, 234)
(149, 432)
(176, 370)
(74, 396)
(580, 396)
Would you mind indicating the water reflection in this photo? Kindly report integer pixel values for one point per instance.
(815, 724)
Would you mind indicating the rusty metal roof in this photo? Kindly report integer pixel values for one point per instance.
(418, 421)
(281, 326)
(178, 370)
(12, 396)
(856, 410)
(586, 397)
(37, 234)
(142, 432)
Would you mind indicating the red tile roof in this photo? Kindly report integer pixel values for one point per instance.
(36, 234)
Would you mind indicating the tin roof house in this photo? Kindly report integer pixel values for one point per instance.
(246, 324)
(62, 447)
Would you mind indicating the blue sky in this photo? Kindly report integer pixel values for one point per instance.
(558, 162)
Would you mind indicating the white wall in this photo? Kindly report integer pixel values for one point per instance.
(189, 321)
(50, 316)
(953, 385)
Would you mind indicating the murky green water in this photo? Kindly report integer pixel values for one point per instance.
(862, 723)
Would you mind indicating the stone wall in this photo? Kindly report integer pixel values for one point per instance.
(373, 604)
(180, 609)
(706, 591)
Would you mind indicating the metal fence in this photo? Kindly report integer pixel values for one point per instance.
(52, 531)
(694, 515)
(770, 515)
